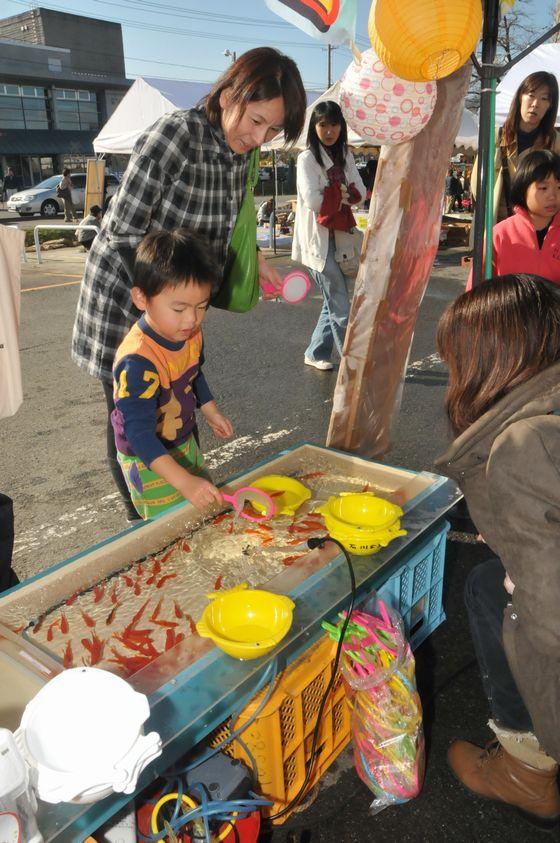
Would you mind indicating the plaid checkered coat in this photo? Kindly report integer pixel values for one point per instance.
(182, 173)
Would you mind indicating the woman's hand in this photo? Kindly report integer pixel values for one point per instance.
(220, 424)
(268, 275)
(508, 585)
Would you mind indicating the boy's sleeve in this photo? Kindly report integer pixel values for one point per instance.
(137, 390)
(200, 387)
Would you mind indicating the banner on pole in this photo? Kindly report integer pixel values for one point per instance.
(329, 21)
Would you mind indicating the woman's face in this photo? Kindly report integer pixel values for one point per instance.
(543, 197)
(534, 105)
(258, 123)
(328, 133)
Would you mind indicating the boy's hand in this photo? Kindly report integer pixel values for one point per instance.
(220, 424)
(200, 492)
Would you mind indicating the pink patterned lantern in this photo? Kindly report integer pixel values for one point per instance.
(381, 107)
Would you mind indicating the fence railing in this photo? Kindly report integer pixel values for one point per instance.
(45, 226)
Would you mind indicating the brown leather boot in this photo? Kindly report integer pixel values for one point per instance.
(494, 773)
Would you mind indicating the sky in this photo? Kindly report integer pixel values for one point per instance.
(186, 39)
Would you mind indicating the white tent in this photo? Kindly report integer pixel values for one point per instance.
(146, 101)
(546, 57)
(467, 136)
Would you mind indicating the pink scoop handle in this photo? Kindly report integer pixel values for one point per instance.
(248, 493)
(295, 287)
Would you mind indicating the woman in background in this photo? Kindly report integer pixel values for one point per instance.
(501, 343)
(328, 183)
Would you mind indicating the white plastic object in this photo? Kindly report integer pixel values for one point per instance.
(295, 287)
(82, 734)
(17, 800)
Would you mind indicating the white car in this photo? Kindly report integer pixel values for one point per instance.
(42, 198)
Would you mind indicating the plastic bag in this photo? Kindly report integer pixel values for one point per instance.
(386, 721)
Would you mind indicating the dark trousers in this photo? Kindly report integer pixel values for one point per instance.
(114, 466)
(7, 576)
(486, 599)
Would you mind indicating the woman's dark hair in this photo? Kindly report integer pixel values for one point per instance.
(331, 113)
(546, 126)
(262, 74)
(494, 338)
(66, 172)
(169, 258)
(535, 165)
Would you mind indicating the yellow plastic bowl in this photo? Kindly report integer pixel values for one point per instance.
(287, 493)
(362, 522)
(246, 623)
(363, 509)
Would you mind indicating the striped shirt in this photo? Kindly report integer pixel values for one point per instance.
(181, 174)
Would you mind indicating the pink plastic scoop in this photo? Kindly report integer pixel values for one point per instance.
(247, 494)
(295, 287)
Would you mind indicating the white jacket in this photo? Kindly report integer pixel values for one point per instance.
(311, 240)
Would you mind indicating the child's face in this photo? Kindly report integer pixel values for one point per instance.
(176, 312)
(543, 197)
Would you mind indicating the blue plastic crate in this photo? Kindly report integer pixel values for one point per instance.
(416, 589)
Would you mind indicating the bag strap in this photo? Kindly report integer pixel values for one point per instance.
(506, 180)
(253, 169)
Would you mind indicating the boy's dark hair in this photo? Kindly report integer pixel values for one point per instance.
(95, 210)
(331, 113)
(169, 258)
(536, 165)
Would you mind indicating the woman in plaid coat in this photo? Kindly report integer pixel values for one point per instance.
(189, 170)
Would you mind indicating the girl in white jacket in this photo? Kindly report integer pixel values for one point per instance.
(328, 183)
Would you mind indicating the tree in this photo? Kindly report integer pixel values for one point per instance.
(516, 31)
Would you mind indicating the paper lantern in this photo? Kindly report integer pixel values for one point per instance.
(423, 40)
(379, 106)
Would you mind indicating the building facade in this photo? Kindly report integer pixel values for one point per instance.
(61, 78)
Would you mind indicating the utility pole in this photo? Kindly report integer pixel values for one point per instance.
(329, 67)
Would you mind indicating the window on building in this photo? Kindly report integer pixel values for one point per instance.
(24, 107)
(77, 110)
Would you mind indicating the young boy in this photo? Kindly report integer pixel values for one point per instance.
(157, 375)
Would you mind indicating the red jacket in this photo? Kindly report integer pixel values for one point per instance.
(515, 248)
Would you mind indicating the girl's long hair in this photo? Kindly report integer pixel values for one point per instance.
(546, 126)
(494, 338)
(330, 112)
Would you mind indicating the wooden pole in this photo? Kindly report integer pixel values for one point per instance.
(397, 256)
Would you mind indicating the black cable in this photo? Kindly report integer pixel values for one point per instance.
(312, 544)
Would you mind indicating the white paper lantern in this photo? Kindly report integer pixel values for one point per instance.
(381, 107)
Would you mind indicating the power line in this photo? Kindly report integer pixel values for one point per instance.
(174, 30)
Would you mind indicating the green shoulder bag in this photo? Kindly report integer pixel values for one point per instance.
(240, 288)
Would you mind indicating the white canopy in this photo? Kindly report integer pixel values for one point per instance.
(467, 136)
(146, 101)
(546, 57)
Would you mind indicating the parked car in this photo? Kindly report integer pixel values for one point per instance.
(42, 198)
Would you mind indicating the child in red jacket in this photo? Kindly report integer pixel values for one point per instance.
(529, 241)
